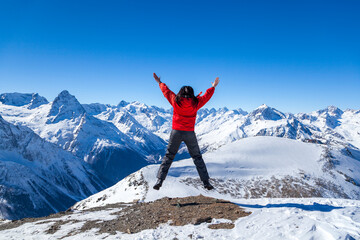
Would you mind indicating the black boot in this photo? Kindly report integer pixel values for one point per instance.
(207, 185)
(158, 184)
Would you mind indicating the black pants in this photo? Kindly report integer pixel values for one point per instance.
(189, 137)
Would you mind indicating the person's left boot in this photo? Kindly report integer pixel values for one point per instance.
(158, 184)
(208, 185)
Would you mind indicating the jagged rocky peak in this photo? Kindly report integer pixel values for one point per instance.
(65, 106)
(331, 114)
(264, 112)
(334, 111)
(330, 111)
(32, 100)
(123, 103)
(223, 109)
(241, 111)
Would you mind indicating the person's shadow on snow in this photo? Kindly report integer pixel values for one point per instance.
(314, 207)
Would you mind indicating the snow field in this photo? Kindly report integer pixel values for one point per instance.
(311, 218)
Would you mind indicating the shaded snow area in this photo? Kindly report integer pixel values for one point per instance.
(37, 177)
(276, 218)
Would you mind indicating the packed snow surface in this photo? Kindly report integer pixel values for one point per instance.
(309, 218)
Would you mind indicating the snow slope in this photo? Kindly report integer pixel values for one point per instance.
(37, 177)
(271, 219)
(256, 173)
(249, 168)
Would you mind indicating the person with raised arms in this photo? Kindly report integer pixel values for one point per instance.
(185, 105)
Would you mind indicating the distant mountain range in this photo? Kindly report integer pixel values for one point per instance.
(107, 143)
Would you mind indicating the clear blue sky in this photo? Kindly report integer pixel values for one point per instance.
(297, 56)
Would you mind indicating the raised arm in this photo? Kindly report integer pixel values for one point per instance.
(216, 82)
(208, 94)
(168, 94)
(157, 79)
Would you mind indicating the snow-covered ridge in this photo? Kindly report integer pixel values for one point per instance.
(37, 177)
(249, 168)
(30, 100)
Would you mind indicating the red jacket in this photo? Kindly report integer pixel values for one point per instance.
(184, 116)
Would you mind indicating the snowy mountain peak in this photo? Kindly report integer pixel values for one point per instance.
(223, 109)
(65, 106)
(334, 111)
(330, 111)
(264, 112)
(241, 111)
(64, 94)
(262, 106)
(32, 100)
(123, 103)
